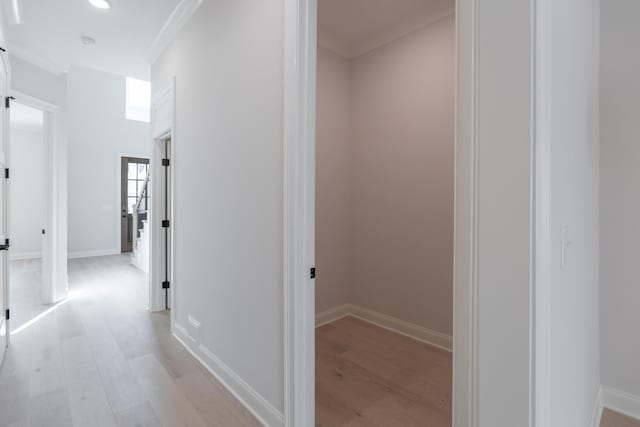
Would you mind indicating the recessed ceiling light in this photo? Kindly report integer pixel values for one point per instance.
(87, 40)
(101, 4)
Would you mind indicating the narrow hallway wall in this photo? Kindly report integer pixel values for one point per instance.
(620, 196)
(333, 181)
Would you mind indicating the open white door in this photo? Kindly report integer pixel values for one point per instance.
(4, 198)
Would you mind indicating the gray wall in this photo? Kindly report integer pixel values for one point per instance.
(620, 195)
(384, 207)
(402, 170)
(228, 177)
(574, 136)
(333, 181)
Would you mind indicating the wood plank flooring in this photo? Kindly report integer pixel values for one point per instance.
(101, 359)
(369, 376)
(613, 419)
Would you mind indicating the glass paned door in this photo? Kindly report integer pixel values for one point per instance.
(134, 175)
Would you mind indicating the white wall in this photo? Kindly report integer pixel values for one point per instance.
(34, 81)
(574, 196)
(402, 176)
(333, 181)
(27, 205)
(504, 213)
(620, 195)
(99, 135)
(228, 177)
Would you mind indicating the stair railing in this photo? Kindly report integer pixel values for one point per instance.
(140, 208)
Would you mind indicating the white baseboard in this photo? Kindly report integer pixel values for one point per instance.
(25, 255)
(264, 412)
(596, 416)
(621, 402)
(332, 315)
(89, 254)
(420, 333)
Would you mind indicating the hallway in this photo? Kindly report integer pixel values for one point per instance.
(101, 359)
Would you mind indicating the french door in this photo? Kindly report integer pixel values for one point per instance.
(134, 174)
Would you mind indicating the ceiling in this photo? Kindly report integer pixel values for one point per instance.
(51, 30)
(354, 27)
(25, 117)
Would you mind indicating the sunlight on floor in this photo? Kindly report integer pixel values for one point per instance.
(38, 317)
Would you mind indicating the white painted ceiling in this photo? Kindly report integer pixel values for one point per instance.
(25, 117)
(353, 27)
(51, 30)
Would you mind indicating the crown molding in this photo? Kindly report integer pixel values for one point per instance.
(40, 62)
(333, 43)
(178, 18)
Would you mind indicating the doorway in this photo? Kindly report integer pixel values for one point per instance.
(27, 212)
(384, 214)
(134, 200)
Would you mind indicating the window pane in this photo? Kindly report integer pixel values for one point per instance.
(132, 171)
(138, 100)
(142, 171)
(131, 188)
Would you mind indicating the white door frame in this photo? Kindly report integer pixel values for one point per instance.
(299, 205)
(54, 249)
(162, 127)
(5, 80)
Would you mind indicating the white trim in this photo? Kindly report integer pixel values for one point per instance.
(420, 333)
(393, 324)
(25, 255)
(542, 280)
(596, 415)
(39, 61)
(264, 411)
(163, 121)
(178, 18)
(465, 275)
(300, 44)
(333, 314)
(622, 402)
(94, 253)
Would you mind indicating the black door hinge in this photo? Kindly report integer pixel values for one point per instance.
(165, 223)
(165, 162)
(7, 314)
(6, 173)
(312, 273)
(6, 245)
(165, 284)
(44, 231)
(7, 101)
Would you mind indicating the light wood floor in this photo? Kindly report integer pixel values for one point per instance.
(100, 359)
(613, 419)
(368, 376)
